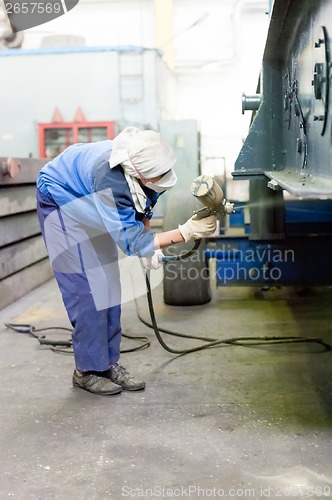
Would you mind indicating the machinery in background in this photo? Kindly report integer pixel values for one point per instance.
(8, 39)
(287, 159)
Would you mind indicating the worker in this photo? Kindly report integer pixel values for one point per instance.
(92, 199)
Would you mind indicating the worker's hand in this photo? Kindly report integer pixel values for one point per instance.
(154, 262)
(194, 229)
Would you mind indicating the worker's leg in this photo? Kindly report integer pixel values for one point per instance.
(106, 277)
(100, 262)
(93, 332)
(90, 293)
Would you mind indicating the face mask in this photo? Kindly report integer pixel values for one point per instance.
(155, 187)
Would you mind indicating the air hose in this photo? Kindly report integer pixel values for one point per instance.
(212, 342)
(65, 346)
(172, 258)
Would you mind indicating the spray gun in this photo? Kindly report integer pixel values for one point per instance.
(207, 191)
(210, 194)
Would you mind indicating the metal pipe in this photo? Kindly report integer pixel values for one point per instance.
(250, 102)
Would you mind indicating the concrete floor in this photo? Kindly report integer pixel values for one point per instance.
(228, 422)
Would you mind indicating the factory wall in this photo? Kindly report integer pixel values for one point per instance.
(214, 49)
(216, 61)
(107, 84)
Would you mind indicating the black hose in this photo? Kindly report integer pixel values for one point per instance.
(211, 342)
(172, 258)
(57, 345)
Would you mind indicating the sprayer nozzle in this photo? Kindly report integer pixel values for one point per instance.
(228, 207)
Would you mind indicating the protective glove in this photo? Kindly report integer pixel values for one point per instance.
(194, 229)
(154, 262)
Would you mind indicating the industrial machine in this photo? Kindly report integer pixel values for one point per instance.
(287, 159)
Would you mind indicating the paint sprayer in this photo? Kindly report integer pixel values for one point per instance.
(210, 194)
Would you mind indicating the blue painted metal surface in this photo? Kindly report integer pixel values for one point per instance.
(240, 261)
(301, 258)
(236, 219)
(308, 217)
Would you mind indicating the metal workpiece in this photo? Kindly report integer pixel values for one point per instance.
(10, 167)
(20, 170)
(321, 80)
(300, 184)
(267, 212)
(257, 152)
(290, 136)
(23, 257)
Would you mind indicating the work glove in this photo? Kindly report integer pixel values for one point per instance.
(195, 229)
(154, 262)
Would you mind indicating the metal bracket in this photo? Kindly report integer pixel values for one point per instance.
(300, 184)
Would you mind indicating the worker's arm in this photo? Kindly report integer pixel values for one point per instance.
(162, 240)
(193, 229)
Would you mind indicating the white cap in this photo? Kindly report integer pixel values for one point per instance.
(147, 151)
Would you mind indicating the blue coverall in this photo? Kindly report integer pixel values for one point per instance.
(85, 211)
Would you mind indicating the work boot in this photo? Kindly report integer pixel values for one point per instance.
(96, 384)
(119, 375)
